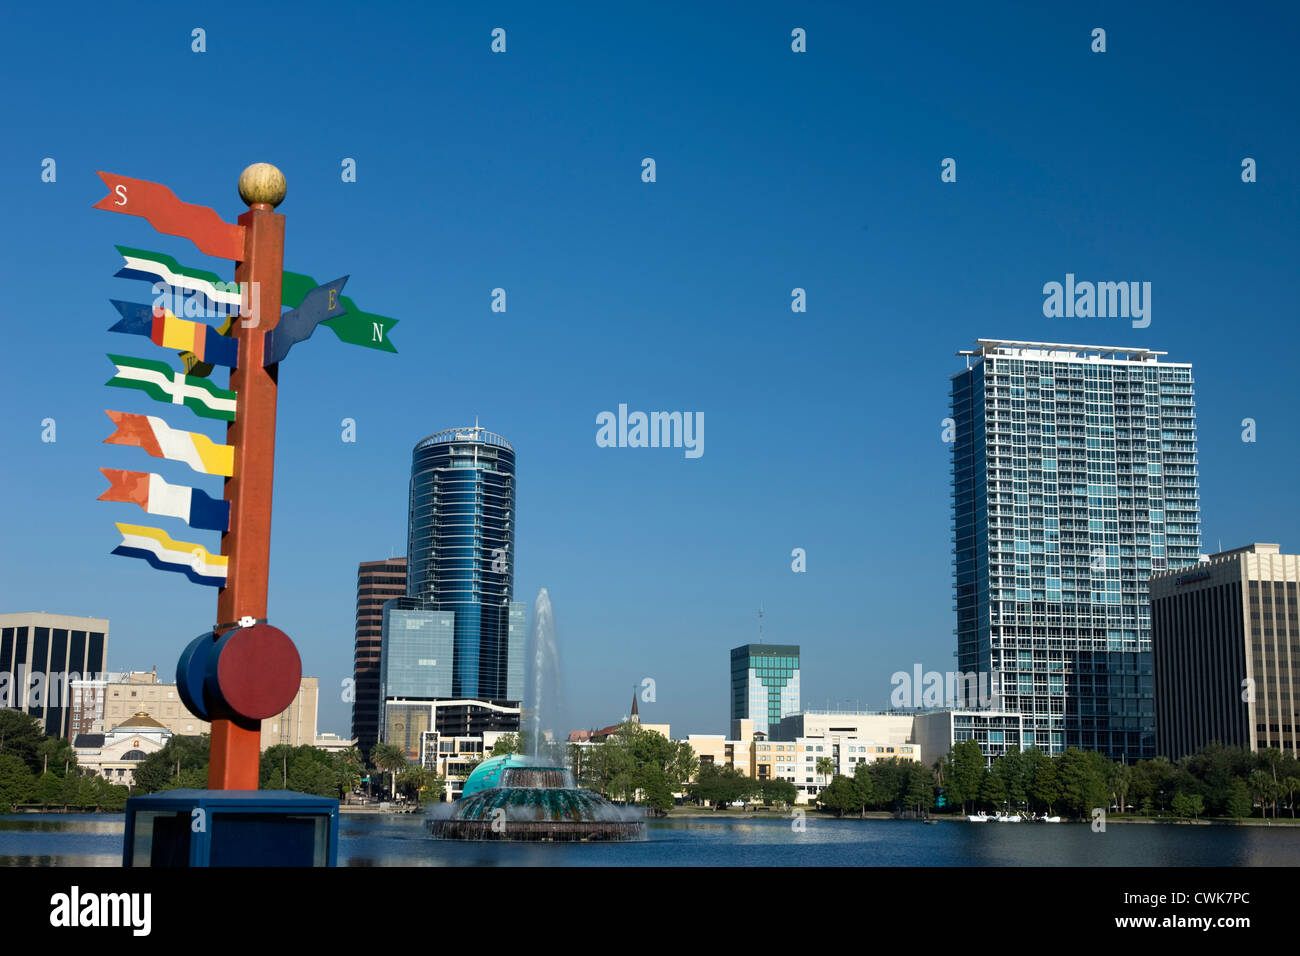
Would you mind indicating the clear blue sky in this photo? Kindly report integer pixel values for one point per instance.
(775, 170)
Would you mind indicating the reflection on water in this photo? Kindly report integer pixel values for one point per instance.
(96, 840)
(62, 839)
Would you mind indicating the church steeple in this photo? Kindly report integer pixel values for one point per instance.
(636, 715)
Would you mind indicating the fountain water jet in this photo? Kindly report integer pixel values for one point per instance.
(516, 797)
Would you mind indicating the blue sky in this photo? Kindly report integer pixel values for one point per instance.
(522, 170)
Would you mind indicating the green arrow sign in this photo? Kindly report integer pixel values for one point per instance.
(362, 328)
(354, 327)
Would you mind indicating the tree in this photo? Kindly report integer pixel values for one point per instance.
(1262, 790)
(920, 787)
(22, 736)
(1043, 787)
(1238, 804)
(1289, 786)
(1118, 780)
(57, 756)
(16, 780)
(778, 792)
(889, 780)
(1080, 781)
(48, 790)
(1012, 770)
(993, 791)
(964, 773)
(389, 758)
(825, 768)
(162, 769)
(865, 786)
(506, 744)
(840, 795)
(347, 769)
(719, 785)
(1187, 805)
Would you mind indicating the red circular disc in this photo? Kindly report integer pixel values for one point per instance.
(258, 671)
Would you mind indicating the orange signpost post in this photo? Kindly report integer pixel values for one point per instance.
(243, 670)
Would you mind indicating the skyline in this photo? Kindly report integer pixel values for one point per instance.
(775, 171)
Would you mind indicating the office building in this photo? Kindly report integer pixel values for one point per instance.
(452, 656)
(764, 684)
(448, 736)
(460, 555)
(1074, 479)
(377, 582)
(845, 738)
(1226, 644)
(997, 732)
(41, 655)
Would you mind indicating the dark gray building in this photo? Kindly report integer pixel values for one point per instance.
(40, 654)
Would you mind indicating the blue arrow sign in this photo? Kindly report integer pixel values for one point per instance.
(297, 325)
(168, 331)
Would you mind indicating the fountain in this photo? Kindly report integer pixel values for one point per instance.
(516, 797)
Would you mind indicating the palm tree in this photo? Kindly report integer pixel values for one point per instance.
(825, 767)
(414, 779)
(388, 758)
(1290, 785)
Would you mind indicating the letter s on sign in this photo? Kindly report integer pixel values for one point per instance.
(121, 192)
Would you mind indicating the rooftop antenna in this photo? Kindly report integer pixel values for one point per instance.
(760, 622)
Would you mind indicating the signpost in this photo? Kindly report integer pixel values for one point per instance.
(242, 670)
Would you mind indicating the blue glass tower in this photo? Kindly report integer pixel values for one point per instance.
(1074, 477)
(460, 556)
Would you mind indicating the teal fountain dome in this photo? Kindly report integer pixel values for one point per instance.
(513, 798)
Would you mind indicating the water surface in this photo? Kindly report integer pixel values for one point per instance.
(375, 840)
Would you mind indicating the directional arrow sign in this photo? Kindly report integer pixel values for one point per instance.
(155, 202)
(197, 367)
(354, 327)
(221, 297)
(159, 439)
(363, 328)
(297, 325)
(157, 547)
(163, 328)
(156, 496)
(160, 382)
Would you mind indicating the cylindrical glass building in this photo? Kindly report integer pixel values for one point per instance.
(460, 554)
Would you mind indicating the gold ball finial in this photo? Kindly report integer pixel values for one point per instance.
(262, 182)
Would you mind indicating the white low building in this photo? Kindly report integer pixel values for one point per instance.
(115, 755)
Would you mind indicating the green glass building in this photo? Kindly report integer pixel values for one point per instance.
(764, 683)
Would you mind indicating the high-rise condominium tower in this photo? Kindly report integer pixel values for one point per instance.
(1074, 478)
(461, 556)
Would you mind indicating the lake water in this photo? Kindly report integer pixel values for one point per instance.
(374, 840)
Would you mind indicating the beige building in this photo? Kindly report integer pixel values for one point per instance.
(1225, 642)
(333, 743)
(125, 695)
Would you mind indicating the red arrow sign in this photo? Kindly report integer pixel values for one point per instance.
(155, 202)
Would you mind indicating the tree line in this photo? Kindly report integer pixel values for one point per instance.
(36, 770)
(1215, 781)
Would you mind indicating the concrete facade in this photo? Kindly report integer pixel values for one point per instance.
(1227, 652)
